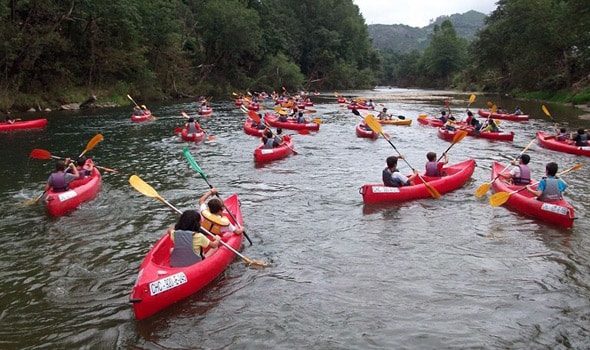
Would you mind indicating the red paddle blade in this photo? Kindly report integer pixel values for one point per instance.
(254, 116)
(303, 132)
(40, 154)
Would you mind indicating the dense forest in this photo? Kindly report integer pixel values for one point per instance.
(60, 51)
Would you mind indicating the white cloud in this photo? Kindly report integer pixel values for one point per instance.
(418, 13)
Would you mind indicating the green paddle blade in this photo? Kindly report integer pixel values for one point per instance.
(193, 163)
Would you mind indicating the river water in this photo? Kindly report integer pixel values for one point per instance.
(426, 274)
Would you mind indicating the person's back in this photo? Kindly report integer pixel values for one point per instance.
(60, 180)
(278, 139)
(192, 126)
(521, 174)
(434, 168)
(189, 243)
(83, 170)
(550, 188)
(581, 138)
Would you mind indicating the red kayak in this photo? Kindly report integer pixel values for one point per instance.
(512, 117)
(24, 124)
(82, 190)
(205, 111)
(456, 176)
(424, 120)
(252, 130)
(158, 285)
(290, 124)
(549, 142)
(560, 213)
(262, 155)
(362, 130)
(141, 118)
(254, 106)
(193, 137)
(359, 106)
(500, 136)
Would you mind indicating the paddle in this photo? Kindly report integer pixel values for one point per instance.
(500, 198)
(483, 188)
(136, 105)
(357, 113)
(546, 111)
(44, 155)
(93, 142)
(149, 191)
(459, 135)
(90, 145)
(492, 111)
(198, 169)
(376, 127)
(209, 137)
(471, 100)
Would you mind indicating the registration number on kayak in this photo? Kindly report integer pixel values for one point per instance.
(385, 189)
(160, 286)
(554, 208)
(67, 195)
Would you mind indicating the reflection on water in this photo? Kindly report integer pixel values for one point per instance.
(447, 273)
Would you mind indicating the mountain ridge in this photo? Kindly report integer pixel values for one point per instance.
(404, 39)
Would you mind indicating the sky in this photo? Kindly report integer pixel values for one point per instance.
(418, 13)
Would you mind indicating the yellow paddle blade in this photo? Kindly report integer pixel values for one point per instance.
(499, 198)
(278, 109)
(493, 110)
(471, 99)
(142, 187)
(373, 124)
(482, 190)
(335, 94)
(422, 116)
(459, 135)
(317, 121)
(433, 192)
(93, 142)
(546, 111)
(283, 112)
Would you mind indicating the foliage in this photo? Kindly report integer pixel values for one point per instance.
(179, 48)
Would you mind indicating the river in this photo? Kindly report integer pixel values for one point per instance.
(426, 274)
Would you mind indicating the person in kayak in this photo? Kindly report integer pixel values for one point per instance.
(434, 168)
(580, 138)
(383, 115)
(60, 180)
(443, 116)
(278, 139)
(268, 139)
(561, 133)
(491, 126)
(213, 220)
(392, 177)
(520, 174)
(84, 170)
(189, 243)
(550, 188)
(300, 118)
(192, 127)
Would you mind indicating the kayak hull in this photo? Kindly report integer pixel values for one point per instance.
(511, 117)
(561, 146)
(193, 137)
(251, 130)
(24, 124)
(290, 124)
(499, 136)
(262, 155)
(560, 213)
(456, 176)
(83, 190)
(158, 285)
(363, 131)
(141, 118)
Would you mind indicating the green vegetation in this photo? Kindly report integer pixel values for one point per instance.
(57, 52)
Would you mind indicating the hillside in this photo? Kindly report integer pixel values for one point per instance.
(403, 38)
